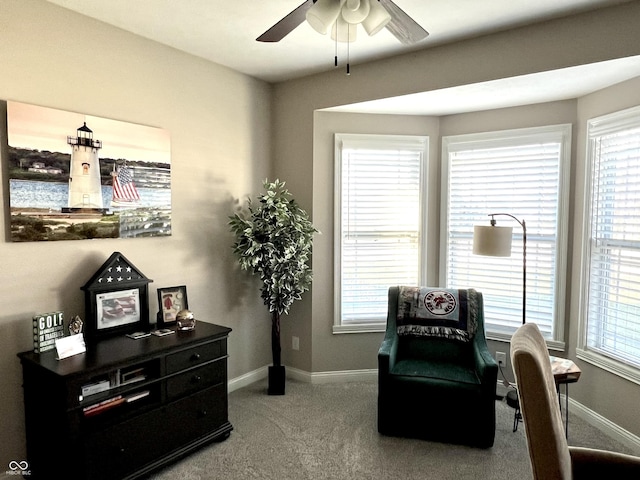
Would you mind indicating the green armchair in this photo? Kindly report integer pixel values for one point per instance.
(436, 377)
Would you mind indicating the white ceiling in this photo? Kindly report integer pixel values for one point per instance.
(224, 32)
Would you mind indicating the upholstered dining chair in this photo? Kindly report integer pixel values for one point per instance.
(550, 455)
(436, 377)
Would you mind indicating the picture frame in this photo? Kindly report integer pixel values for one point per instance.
(116, 300)
(170, 301)
(122, 172)
(117, 312)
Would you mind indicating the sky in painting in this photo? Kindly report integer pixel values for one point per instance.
(42, 128)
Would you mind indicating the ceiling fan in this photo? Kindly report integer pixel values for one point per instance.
(373, 14)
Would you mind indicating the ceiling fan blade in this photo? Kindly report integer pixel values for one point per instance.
(285, 26)
(402, 26)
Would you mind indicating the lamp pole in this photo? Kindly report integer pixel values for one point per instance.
(524, 260)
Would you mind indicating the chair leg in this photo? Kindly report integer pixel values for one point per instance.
(517, 417)
(514, 402)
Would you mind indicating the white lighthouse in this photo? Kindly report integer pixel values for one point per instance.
(85, 189)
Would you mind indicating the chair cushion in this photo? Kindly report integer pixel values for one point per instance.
(435, 349)
(447, 371)
(437, 312)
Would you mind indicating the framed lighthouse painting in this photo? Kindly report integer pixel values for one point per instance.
(74, 176)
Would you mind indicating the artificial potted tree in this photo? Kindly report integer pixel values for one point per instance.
(273, 240)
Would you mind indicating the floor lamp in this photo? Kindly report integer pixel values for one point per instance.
(495, 241)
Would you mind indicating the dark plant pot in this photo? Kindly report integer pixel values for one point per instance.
(276, 380)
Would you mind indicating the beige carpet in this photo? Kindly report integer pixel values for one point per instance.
(329, 432)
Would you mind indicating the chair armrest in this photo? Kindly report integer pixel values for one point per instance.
(389, 348)
(486, 366)
(592, 463)
(387, 352)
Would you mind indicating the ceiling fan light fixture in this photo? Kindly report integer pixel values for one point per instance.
(355, 11)
(377, 19)
(324, 14)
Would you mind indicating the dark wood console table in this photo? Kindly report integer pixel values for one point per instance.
(125, 407)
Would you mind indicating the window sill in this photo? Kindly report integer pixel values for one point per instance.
(554, 345)
(612, 366)
(381, 328)
(360, 328)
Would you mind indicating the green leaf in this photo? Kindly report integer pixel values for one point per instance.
(274, 239)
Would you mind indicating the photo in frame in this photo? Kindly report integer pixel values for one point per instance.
(170, 301)
(75, 176)
(117, 308)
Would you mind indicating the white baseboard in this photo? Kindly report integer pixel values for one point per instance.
(607, 426)
(501, 389)
(342, 376)
(247, 379)
(365, 375)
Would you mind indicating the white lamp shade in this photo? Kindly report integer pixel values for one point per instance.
(355, 11)
(377, 19)
(492, 241)
(323, 14)
(343, 31)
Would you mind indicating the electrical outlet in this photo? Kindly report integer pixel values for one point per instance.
(295, 343)
(501, 358)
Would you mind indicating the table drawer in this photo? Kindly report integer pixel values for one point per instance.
(194, 356)
(197, 415)
(196, 379)
(116, 452)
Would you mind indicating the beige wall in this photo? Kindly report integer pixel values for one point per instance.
(220, 140)
(359, 351)
(303, 156)
(229, 132)
(352, 351)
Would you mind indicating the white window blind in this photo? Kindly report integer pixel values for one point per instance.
(613, 298)
(379, 190)
(522, 173)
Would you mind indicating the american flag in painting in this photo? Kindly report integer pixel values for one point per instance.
(123, 186)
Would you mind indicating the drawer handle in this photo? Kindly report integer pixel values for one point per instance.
(203, 413)
(195, 357)
(196, 379)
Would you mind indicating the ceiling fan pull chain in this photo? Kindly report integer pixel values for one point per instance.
(336, 53)
(348, 50)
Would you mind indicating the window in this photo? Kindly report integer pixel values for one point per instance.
(611, 289)
(523, 173)
(380, 187)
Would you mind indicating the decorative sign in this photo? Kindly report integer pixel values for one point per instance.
(46, 329)
(440, 302)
